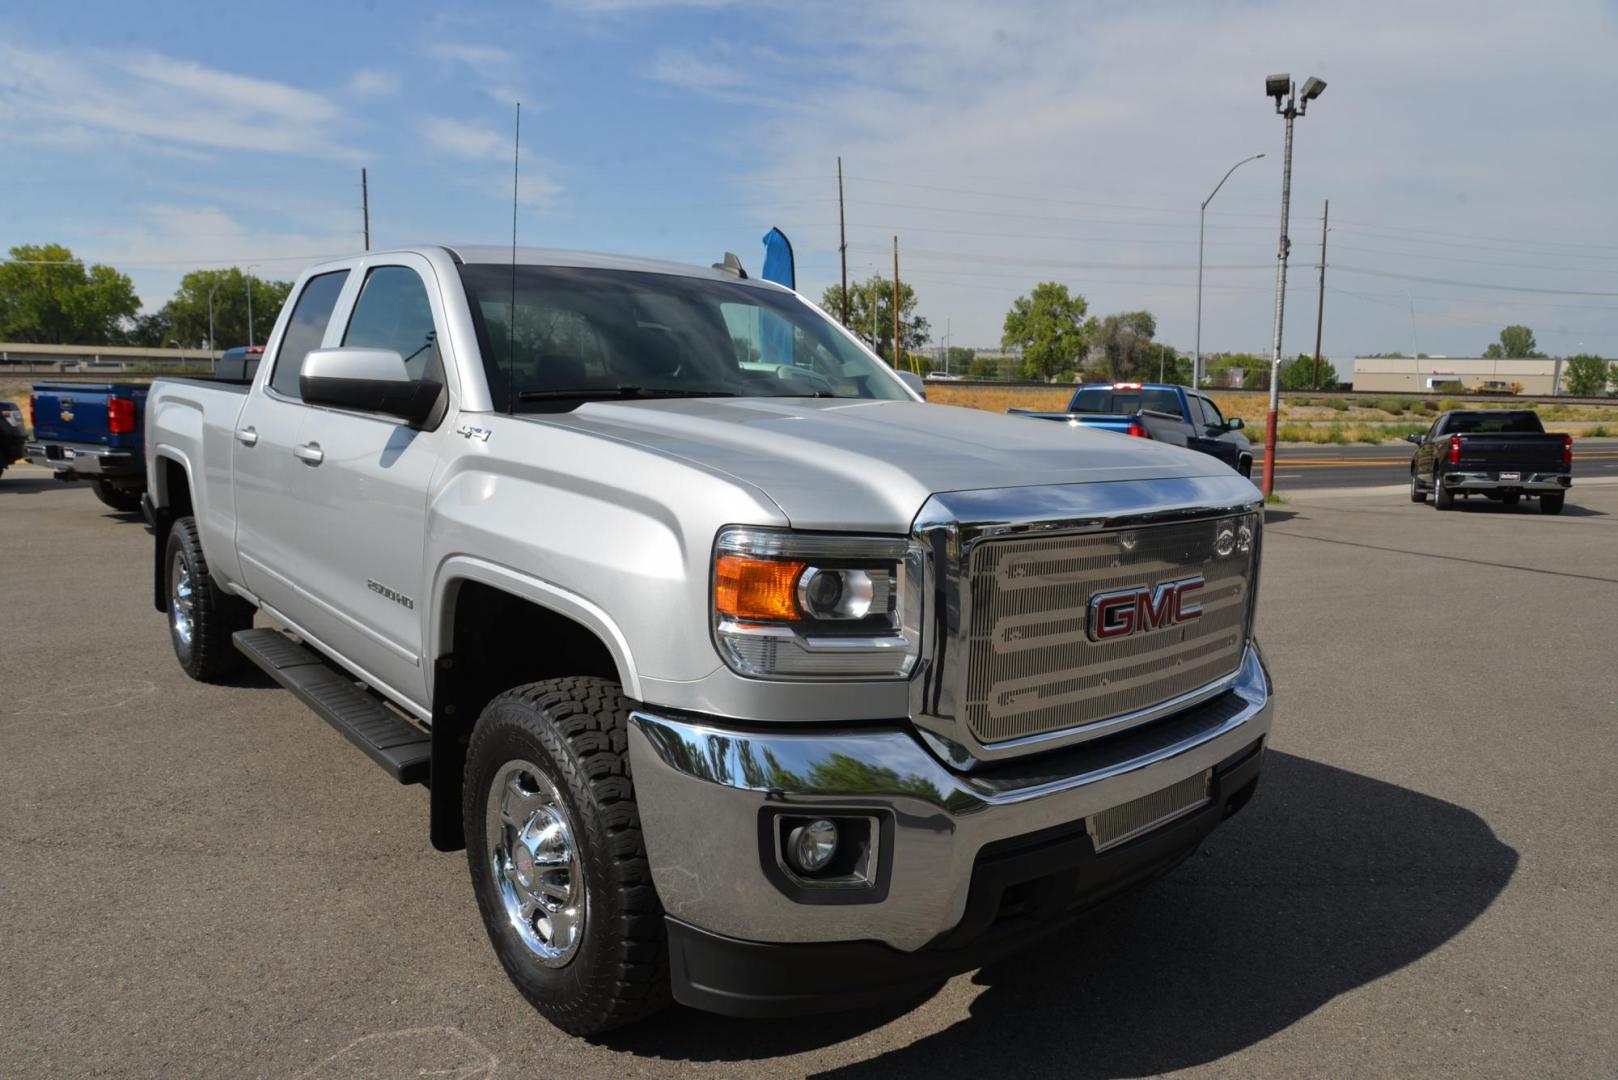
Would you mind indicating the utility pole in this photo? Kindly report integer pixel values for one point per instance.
(1320, 307)
(1281, 88)
(895, 303)
(211, 346)
(842, 237)
(365, 205)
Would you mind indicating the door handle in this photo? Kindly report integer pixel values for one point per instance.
(310, 453)
(247, 436)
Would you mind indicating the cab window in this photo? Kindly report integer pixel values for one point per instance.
(393, 312)
(306, 329)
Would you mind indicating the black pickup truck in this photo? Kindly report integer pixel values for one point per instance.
(1177, 415)
(1503, 454)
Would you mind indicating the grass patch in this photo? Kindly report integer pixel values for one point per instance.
(1341, 434)
(1274, 499)
(1598, 431)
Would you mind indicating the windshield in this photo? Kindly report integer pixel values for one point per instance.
(587, 334)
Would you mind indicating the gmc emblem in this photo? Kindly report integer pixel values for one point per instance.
(1123, 612)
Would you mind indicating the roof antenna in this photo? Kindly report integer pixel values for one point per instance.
(511, 315)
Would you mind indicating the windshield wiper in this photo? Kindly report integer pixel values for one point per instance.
(613, 393)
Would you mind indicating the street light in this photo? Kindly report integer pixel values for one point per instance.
(1287, 104)
(1196, 364)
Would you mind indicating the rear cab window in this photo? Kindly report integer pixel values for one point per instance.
(1104, 399)
(306, 329)
(1515, 422)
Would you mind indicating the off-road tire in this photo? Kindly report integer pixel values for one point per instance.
(210, 656)
(1552, 503)
(1443, 498)
(125, 502)
(576, 730)
(1244, 467)
(1416, 494)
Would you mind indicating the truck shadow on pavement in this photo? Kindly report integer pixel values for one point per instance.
(1531, 509)
(1327, 881)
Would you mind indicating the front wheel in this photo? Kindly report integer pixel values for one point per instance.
(1552, 504)
(202, 616)
(1245, 467)
(553, 841)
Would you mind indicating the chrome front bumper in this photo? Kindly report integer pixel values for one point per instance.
(704, 790)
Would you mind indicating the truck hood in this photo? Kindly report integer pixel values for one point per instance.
(870, 465)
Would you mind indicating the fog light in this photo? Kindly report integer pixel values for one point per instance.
(811, 847)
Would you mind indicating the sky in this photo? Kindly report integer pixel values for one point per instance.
(1468, 149)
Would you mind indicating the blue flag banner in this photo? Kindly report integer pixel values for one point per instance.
(775, 332)
(778, 263)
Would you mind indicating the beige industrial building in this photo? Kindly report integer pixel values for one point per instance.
(1403, 374)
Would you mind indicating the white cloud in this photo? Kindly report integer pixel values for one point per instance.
(495, 71)
(153, 97)
(687, 69)
(472, 143)
(373, 83)
(463, 140)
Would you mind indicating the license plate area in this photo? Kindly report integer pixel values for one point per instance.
(1511, 477)
(1135, 818)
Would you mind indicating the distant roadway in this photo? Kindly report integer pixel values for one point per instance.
(1359, 465)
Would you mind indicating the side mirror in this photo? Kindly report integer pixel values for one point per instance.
(369, 380)
(1235, 423)
(1414, 439)
(912, 380)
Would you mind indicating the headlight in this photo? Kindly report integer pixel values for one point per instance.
(805, 605)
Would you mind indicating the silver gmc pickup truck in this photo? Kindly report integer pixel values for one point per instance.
(743, 676)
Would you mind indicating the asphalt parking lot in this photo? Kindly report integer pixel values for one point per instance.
(207, 881)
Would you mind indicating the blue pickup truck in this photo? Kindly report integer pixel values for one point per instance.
(92, 431)
(1177, 415)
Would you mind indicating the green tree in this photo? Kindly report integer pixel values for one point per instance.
(1516, 342)
(959, 359)
(870, 314)
(49, 297)
(1124, 341)
(1587, 376)
(1162, 362)
(983, 368)
(186, 313)
(1048, 326)
(1299, 374)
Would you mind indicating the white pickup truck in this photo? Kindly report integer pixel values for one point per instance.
(742, 675)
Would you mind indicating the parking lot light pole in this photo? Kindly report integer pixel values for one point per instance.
(1202, 221)
(1291, 104)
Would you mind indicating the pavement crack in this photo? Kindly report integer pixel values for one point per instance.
(1447, 558)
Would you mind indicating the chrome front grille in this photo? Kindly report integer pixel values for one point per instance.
(1031, 666)
(1121, 823)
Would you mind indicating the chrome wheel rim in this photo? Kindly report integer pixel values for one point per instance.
(535, 861)
(182, 600)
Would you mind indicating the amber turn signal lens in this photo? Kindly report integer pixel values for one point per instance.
(747, 588)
